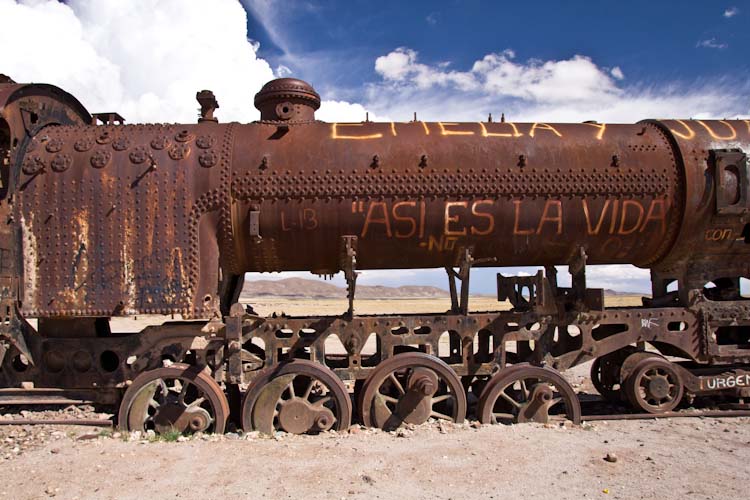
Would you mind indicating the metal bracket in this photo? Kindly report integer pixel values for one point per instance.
(349, 266)
(527, 293)
(254, 223)
(233, 336)
(730, 172)
(464, 272)
(14, 329)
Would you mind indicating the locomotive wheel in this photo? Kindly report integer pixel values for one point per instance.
(524, 393)
(605, 374)
(411, 388)
(298, 397)
(601, 380)
(179, 398)
(654, 386)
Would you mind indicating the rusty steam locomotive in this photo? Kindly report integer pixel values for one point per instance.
(102, 219)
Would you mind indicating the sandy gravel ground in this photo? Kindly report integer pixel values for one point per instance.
(665, 459)
(695, 458)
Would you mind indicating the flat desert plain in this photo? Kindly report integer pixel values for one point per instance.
(681, 458)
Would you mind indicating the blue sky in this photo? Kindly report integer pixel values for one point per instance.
(657, 48)
(652, 42)
(611, 61)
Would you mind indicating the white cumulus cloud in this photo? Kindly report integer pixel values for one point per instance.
(145, 59)
(573, 89)
(498, 73)
(343, 111)
(401, 65)
(731, 12)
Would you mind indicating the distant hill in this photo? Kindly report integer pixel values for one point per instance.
(308, 288)
(300, 287)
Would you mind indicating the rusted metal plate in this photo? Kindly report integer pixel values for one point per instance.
(710, 241)
(139, 219)
(123, 219)
(522, 194)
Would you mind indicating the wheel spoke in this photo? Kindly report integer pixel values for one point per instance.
(199, 401)
(309, 388)
(396, 383)
(322, 401)
(389, 399)
(162, 394)
(497, 416)
(440, 399)
(183, 393)
(510, 400)
(524, 389)
(441, 416)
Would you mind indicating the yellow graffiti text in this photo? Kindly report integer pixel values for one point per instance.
(687, 136)
(441, 244)
(445, 131)
(336, 135)
(601, 127)
(456, 221)
(512, 125)
(372, 219)
(732, 132)
(625, 218)
(543, 126)
(718, 234)
(403, 219)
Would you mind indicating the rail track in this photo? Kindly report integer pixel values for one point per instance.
(596, 410)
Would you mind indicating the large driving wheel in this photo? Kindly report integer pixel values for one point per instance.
(524, 393)
(178, 398)
(411, 388)
(298, 397)
(654, 385)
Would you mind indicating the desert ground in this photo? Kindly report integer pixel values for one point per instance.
(679, 458)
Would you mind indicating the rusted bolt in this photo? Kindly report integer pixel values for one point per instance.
(352, 345)
(424, 386)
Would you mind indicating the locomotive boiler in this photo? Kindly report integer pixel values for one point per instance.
(105, 219)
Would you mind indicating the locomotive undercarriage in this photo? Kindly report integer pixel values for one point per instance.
(501, 366)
